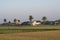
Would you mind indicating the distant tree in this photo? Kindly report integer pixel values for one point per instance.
(44, 18)
(15, 20)
(9, 22)
(30, 18)
(5, 20)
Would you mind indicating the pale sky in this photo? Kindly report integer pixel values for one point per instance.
(21, 9)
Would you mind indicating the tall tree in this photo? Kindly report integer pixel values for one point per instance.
(44, 18)
(30, 18)
(5, 20)
(15, 20)
(9, 22)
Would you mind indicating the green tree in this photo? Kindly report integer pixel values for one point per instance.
(44, 18)
(30, 18)
(9, 22)
(15, 20)
(5, 20)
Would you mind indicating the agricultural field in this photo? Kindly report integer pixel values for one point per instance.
(41, 32)
(14, 29)
(43, 35)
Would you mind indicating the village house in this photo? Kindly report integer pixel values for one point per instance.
(34, 23)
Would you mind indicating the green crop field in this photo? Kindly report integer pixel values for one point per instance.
(13, 29)
(41, 32)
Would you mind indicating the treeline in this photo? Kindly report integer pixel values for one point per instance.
(31, 21)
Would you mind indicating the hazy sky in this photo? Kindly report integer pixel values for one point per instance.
(21, 9)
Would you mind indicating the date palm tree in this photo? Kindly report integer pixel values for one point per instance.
(5, 20)
(15, 20)
(44, 18)
(30, 18)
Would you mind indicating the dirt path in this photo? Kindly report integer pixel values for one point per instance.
(46, 35)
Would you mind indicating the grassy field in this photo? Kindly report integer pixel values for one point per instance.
(43, 35)
(15, 29)
(41, 32)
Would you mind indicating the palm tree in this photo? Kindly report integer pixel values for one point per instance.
(44, 19)
(9, 22)
(5, 20)
(30, 18)
(15, 20)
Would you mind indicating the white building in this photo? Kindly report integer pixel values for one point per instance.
(34, 23)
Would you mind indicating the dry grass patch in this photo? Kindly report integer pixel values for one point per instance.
(44, 35)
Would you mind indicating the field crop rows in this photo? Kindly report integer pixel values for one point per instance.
(15, 29)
